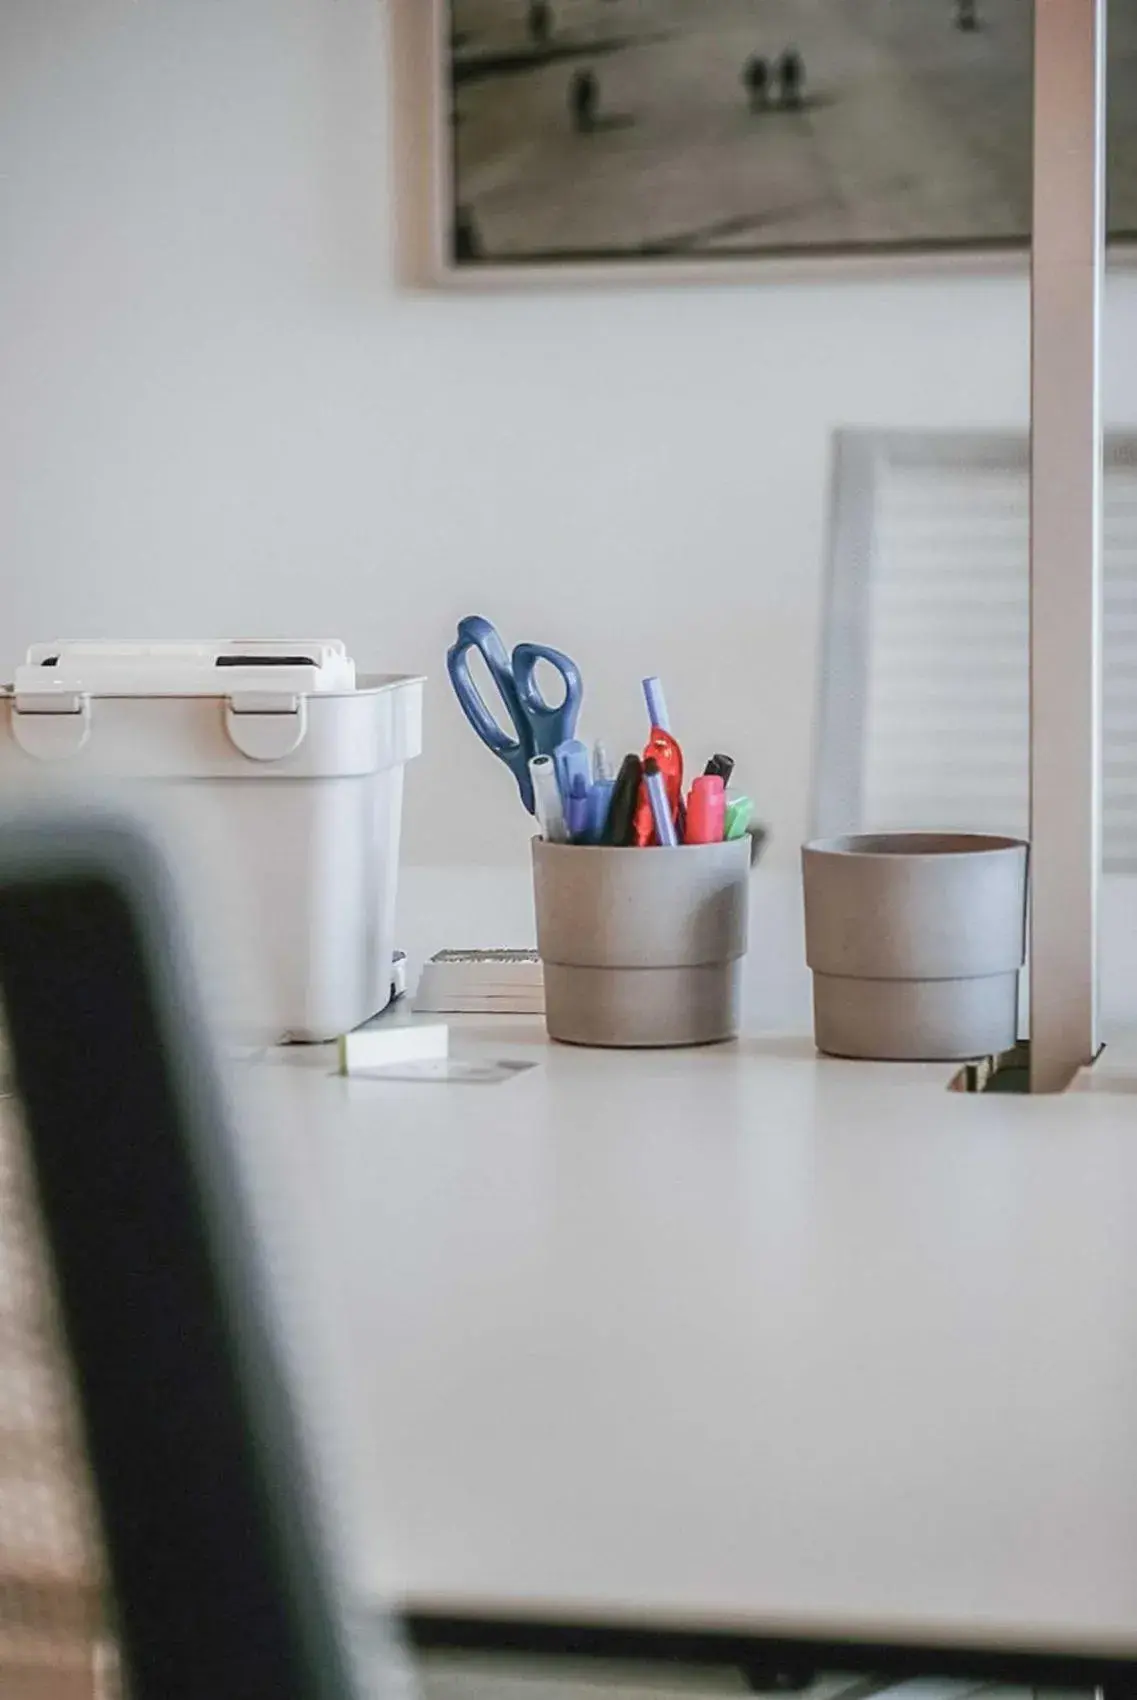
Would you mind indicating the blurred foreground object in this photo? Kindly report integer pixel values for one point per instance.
(149, 1453)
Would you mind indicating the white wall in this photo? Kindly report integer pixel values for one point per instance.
(219, 412)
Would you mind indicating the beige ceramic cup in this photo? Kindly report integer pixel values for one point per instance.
(916, 941)
(642, 947)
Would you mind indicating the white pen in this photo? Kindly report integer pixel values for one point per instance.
(547, 799)
(601, 766)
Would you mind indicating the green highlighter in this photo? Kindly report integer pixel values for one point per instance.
(739, 812)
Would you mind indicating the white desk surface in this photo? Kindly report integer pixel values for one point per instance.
(736, 1339)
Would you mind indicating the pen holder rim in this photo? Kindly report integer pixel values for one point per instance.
(924, 847)
(620, 850)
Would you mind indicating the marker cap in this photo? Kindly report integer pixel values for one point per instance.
(706, 810)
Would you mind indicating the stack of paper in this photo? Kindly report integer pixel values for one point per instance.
(500, 982)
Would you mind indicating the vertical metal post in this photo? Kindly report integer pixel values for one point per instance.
(1065, 542)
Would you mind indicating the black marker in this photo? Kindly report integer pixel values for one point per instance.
(720, 767)
(619, 827)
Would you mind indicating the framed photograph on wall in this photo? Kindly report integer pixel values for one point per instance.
(665, 135)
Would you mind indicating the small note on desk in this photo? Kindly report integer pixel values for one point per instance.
(452, 1071)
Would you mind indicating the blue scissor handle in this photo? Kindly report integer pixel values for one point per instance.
(476, 633)
(551, 724)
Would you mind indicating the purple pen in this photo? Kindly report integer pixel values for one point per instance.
(576, 809)
(660, 807)
(656, 704)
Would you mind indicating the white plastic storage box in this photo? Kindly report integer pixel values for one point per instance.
(275, 780)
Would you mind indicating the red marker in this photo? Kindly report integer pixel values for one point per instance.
(706, 810)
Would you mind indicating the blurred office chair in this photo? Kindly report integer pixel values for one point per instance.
(154, 1488)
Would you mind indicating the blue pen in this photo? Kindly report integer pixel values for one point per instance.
(599, 802)
(576, 809)
(660, 807)
(656, 704)
(572, 762)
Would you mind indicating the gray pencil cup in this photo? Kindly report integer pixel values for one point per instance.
(915, 941)
(642, 947)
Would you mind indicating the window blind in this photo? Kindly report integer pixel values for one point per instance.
(943, 624)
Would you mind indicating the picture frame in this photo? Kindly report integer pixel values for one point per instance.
(451, 51)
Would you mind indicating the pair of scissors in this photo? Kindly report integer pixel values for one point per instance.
(538, 726)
